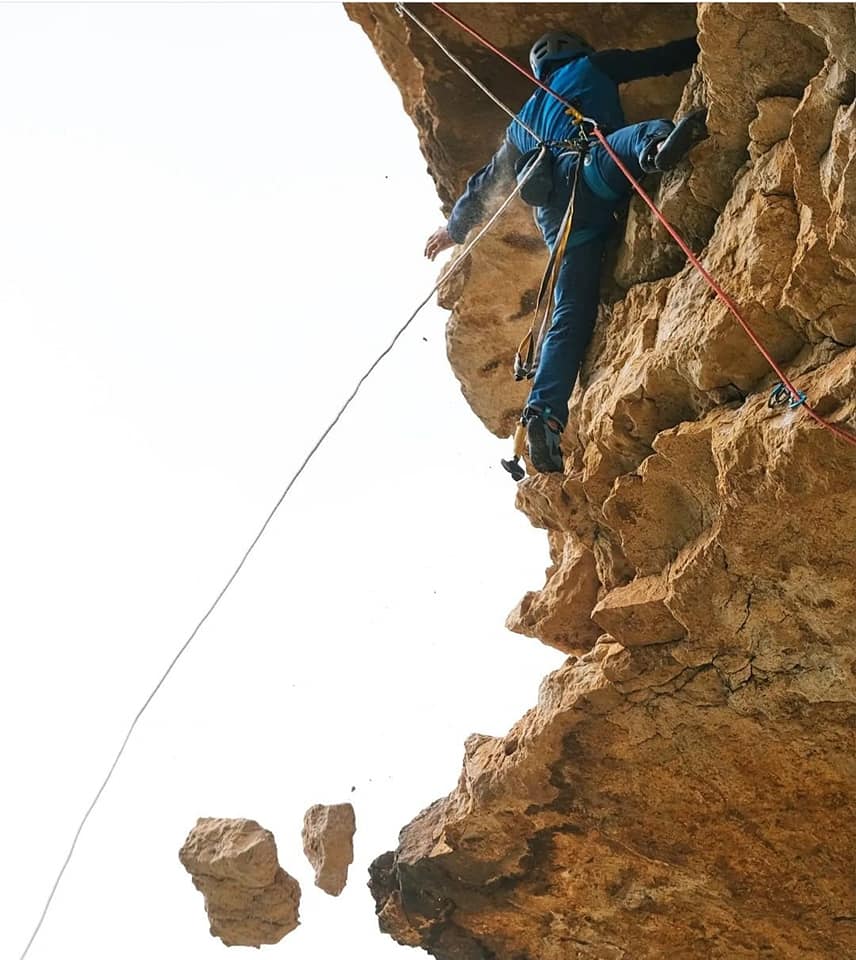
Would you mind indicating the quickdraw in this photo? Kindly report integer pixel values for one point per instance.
(781, 394)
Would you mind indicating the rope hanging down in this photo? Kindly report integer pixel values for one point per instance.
(797, 396)
(448, 272)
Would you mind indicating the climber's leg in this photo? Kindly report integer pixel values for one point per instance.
(574, 314)
(647, 147)
(632, 144)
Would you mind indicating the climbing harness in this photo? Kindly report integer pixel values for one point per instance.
(797, 397)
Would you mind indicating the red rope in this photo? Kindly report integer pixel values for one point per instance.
(710, 280)
(717, 289)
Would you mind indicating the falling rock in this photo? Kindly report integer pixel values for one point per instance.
(328, 842)
(249, 898)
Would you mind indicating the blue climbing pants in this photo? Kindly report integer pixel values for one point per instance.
(601, 190)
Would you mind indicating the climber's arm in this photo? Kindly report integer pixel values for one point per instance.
(474, 204)
(622, 66)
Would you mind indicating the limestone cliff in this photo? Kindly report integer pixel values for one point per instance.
(684, 787)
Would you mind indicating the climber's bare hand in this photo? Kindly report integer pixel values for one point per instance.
(438, 242)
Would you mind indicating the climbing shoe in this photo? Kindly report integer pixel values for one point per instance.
(687, 133)
(544, 450)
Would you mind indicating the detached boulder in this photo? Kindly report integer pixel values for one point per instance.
(328, 842)
(249, 898)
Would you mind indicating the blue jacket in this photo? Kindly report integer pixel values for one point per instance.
(591, 84)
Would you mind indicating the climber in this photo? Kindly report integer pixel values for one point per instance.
(590, 81)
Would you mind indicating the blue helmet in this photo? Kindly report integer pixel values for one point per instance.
(555, 46)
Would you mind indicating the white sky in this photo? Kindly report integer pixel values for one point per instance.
(211, 221)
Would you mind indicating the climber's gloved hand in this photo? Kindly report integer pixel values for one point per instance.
(438, 242)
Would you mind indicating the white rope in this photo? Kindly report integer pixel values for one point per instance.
(446, 274)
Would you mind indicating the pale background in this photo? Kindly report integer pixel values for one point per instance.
(211, 221)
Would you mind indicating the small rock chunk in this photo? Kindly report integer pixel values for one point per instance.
(249, 898)
(328, 842)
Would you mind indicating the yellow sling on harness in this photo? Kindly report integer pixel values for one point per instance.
(529, 352)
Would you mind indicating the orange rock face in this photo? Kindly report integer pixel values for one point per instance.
(685, 786)
(249, 898)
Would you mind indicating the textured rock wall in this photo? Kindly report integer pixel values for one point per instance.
(685, 785)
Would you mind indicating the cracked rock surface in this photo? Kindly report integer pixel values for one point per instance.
(685, 786)
(249, 898)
